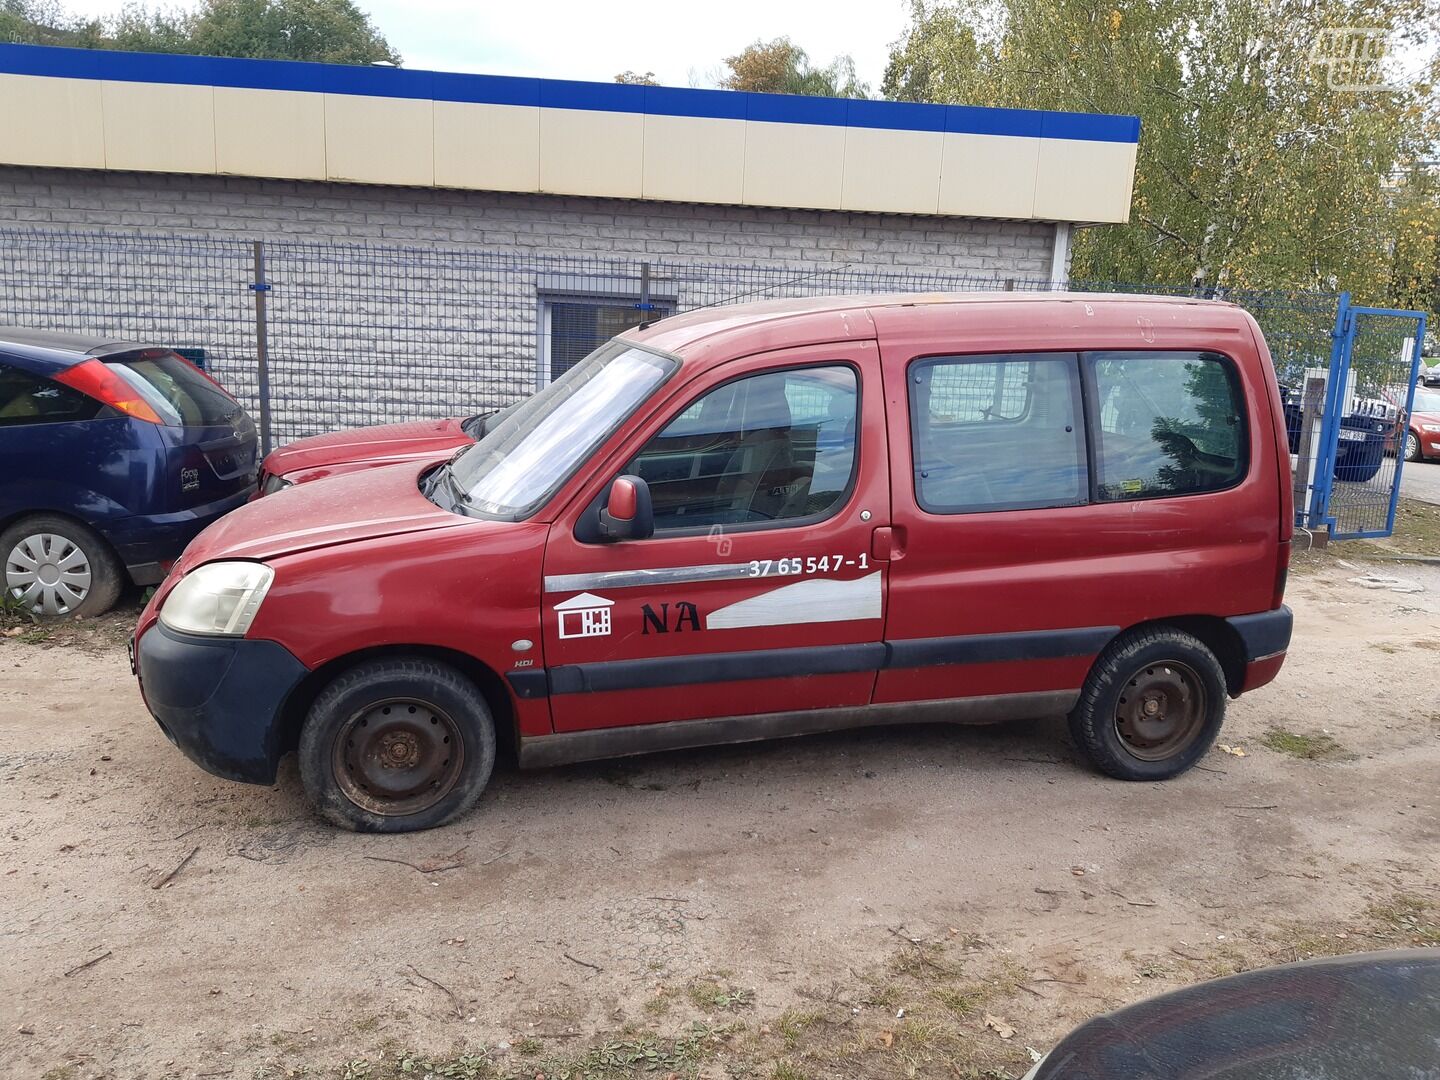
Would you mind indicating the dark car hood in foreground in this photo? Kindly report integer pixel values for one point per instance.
(370, 446)
(1359, 1017)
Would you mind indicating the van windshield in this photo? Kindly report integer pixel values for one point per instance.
(533, 449)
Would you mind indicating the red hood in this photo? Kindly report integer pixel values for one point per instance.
(356, 506)
(371, 445)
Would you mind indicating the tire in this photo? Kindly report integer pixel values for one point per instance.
(1122, 733)
(1412, 446)
(58, 568)
(397, 745)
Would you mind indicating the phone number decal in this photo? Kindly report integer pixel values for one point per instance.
(798, 565)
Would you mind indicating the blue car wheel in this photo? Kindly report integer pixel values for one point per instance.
(58, 567)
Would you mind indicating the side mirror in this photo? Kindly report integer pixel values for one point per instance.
(628, 513)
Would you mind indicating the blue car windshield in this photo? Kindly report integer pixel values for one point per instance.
(535, 448)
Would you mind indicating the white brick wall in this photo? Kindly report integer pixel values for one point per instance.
(390, 303)
(274, 209)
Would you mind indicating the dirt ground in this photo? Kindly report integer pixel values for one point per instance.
(858, 904)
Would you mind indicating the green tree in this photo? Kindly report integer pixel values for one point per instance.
(635, 78)
(1252, 169)
(330, 31)
(782, 67)
(44, 22)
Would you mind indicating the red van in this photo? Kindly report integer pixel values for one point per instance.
(759, 521)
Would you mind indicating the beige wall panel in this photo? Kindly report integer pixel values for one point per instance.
(487, 147)
(154, 127)
(892, 171)
(694, 159)
(794, 165)
(269, 133)
(377, 140)
(592, 153)
(45, 121)
(989, 175)
(1084, 181)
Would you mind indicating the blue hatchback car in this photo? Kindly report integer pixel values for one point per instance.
(113, 456)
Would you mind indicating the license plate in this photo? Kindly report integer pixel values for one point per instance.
(1353, 436)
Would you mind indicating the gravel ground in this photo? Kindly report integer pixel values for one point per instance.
(159, 922)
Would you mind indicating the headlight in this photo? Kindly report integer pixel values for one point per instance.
(219, 598)
(1430, 427)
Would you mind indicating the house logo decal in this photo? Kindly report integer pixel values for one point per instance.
(586, 615)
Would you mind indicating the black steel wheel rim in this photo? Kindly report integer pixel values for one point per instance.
(1161, 710)
(398, 757)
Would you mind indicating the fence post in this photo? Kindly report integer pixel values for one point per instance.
(262, 346)
(1344, 338)
(645, 305)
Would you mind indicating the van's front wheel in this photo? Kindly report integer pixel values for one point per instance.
(1152, 706)
(397, 745)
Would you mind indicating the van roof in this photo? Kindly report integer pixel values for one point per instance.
(845, 312)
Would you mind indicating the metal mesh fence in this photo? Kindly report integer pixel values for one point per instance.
(368, 334)
(1371, 408)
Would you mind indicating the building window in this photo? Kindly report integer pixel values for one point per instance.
(574, 326)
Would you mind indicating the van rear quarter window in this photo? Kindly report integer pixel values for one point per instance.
(1166, 423)
(997, 432)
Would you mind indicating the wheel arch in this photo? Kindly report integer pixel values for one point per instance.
(1216, 634)
(486, 680)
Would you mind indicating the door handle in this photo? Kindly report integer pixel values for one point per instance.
(887, 543)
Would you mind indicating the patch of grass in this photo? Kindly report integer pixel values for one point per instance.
(711, 996)
(1305, 747)
(924, 961)
(784, 1070)
(793, 1024)
(628, 1057)
(529, 1047)
(961, 1001)
(1413, 919)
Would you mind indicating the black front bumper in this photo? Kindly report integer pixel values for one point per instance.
(219, 700)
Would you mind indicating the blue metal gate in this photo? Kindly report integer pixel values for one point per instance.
(1358, 431)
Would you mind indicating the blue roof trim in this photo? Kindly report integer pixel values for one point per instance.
(69, 63)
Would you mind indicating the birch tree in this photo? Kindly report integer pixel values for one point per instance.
(1256, 167)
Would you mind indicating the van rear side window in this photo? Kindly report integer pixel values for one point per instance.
(1166, 423)
(997, 432)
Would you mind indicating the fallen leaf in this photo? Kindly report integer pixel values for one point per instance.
(1035, 1055)
(887, 1038)
(508, 975)
(1233, 751)
(999, 1026)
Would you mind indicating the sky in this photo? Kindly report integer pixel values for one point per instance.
(683, 44)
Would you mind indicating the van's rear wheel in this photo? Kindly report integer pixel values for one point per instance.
(1152, 705)
(397, 745)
